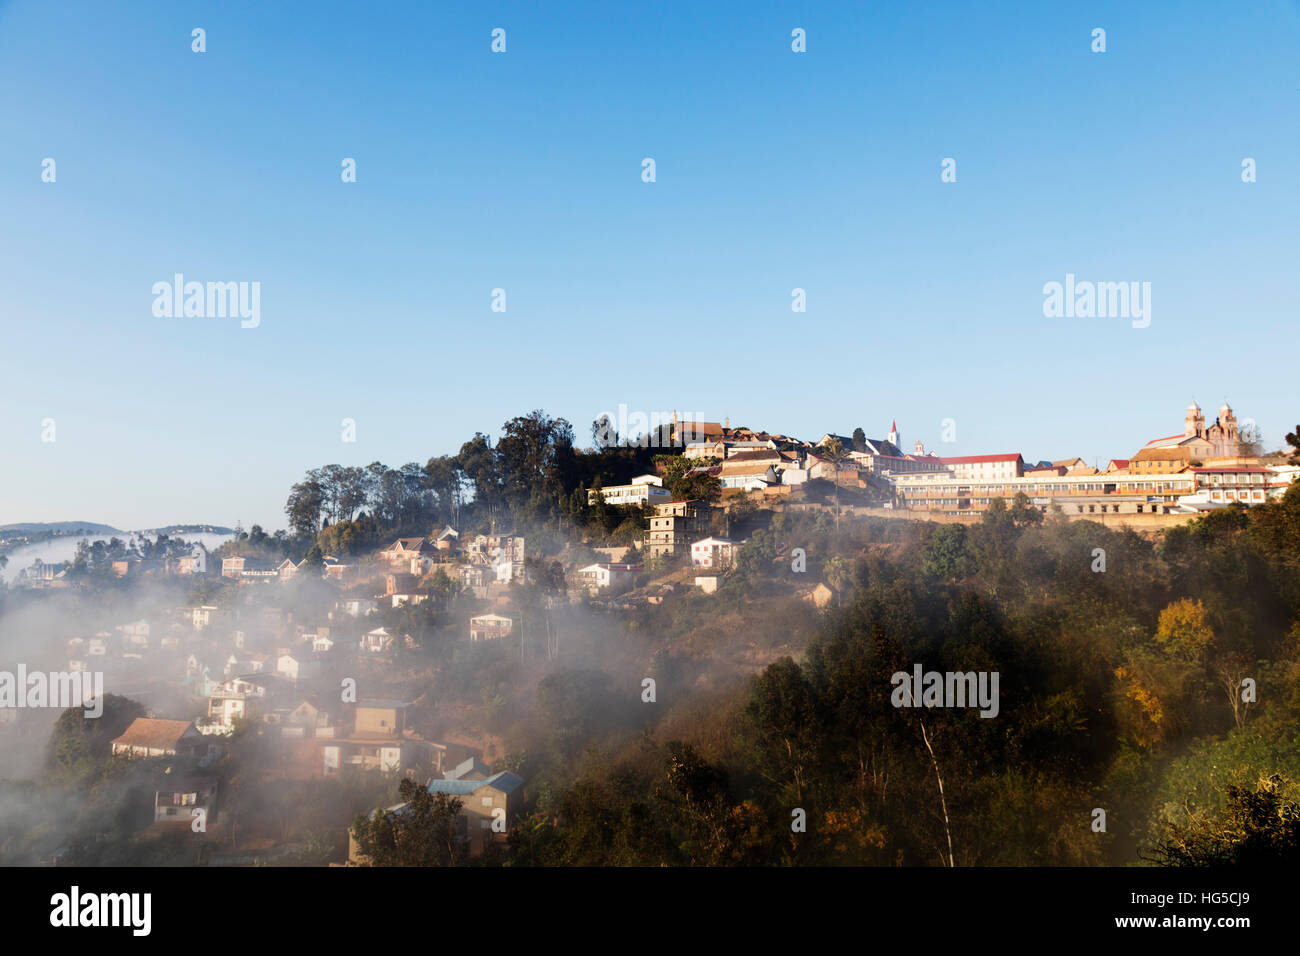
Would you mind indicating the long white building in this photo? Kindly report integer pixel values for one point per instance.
(1076, 494)
(644, 489)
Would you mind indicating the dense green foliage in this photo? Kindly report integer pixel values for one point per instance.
(1121, 690)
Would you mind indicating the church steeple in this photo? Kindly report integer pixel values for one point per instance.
(893, 433)
(1228, 420)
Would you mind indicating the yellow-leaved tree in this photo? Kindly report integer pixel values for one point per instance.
(1184, 630)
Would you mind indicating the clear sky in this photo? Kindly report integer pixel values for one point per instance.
(522, 171)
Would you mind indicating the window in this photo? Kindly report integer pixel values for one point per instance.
(487, 801)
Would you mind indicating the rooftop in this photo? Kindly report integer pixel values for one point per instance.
(153, 733)
(975, 459)
(505, 781)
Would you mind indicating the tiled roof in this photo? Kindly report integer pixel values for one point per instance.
(767, 454)
(1160, 454)
(153, 733)
(732, 467)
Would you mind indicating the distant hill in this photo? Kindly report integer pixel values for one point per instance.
(60, 527)
(189, 529)
(91, 527)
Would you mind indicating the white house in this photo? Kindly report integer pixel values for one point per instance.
(503, 567)
(136, 634)
(229, 702)
(409, 597)
(295, 668)
(607, 577)
(749, 477)
(487, 627)
(358, 606)
(469, 575)
(202, 616)
(376, 641)
(713, 553)
(642, 490)
(251, 663)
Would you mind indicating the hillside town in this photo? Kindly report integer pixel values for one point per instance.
(336, 677)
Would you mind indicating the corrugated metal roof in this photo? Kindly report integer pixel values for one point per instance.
(505, 781)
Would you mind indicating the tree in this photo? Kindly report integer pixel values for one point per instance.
(79, 742)
(699, 486)
(442, 583)
(948, 557)
(477, 460)
(306, 499)
(575, 702)
(1250, 440)
(859, 440)
(754, 557)
(1293, 439)
(350, 492)
(836, 573)
(1258, 827)
(1229, 670)
(1023, 512)
(423, 831)
(674, 467)
(696, 797)
(445, 479)
(535, 459)
(603, 434)
(1184, 630)
(783, 710)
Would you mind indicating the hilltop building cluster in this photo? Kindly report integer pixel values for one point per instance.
(1200, 469)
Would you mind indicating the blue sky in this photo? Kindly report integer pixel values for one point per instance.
(522, 171)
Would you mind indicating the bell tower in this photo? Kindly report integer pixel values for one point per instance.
(1228, 419)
